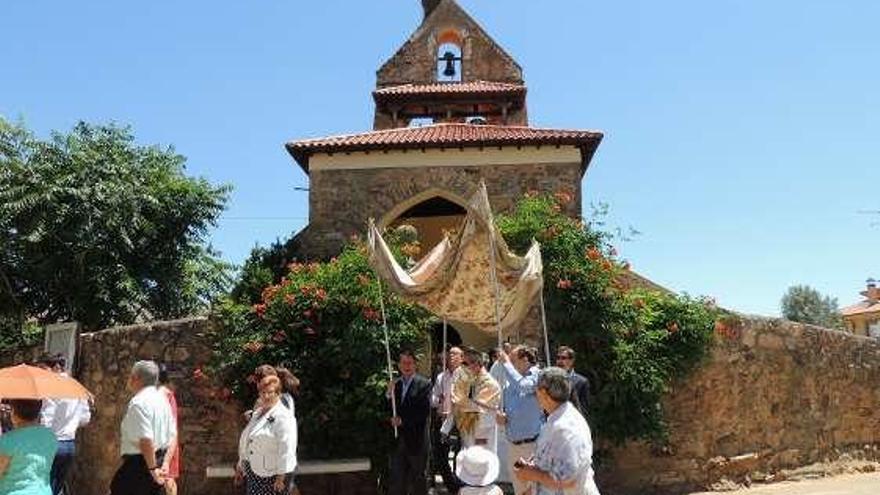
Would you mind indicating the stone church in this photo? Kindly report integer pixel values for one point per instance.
(450, 111)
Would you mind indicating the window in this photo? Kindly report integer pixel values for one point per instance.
(421, 121)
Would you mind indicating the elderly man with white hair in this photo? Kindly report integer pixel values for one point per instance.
(563, 460)
(147, 430)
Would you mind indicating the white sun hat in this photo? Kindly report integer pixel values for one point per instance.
(476, 466)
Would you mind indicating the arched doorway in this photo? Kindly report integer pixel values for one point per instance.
(457, 334)
(433, 215)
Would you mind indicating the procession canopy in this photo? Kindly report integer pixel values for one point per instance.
(454, 280)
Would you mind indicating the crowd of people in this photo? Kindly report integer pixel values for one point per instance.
(513, 422)
(503, 419)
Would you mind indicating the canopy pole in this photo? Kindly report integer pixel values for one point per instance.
(443, 351)
(544, 324)
(494, 275)
(387, 352)
(431, 426)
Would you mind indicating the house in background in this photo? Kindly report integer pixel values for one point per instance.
(864, 318)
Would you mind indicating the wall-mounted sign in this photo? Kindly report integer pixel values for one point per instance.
(61, 339)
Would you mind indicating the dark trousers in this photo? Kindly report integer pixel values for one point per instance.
(440, 455)
(61, 464)
(133, 477)
(408, 471)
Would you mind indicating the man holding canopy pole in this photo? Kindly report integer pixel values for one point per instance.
(411, 393)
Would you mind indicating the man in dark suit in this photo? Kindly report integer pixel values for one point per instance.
(412, 394)
(580, 386)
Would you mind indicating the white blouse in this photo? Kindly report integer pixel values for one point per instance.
(269, 442)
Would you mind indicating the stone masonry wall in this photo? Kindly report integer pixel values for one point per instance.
(342, 201)
(774, 395)
(209, 426)
(416, 61)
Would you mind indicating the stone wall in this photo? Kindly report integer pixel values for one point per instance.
(342, 201)
(209, 425)
(775, 395)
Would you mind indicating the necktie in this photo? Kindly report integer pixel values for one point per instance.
(406, 382)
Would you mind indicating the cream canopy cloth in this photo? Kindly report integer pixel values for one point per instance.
(455, 279)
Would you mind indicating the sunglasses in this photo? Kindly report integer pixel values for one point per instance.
(564, 358)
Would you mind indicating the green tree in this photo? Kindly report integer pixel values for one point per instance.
(97, 229)
(805, 304)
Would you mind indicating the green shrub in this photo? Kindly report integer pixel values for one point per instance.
(323, 321)
(16, 334)
(631, 342)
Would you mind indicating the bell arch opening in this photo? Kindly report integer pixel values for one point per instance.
(449, 66)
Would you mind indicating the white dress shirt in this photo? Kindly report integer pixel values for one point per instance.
(64, 416)
(148, 416)
(269, 442)
(565, 450)
(441, 394)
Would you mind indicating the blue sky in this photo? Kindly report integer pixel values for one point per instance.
(741, 135)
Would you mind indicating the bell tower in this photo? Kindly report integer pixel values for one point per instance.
(450, 112)
(449, 71)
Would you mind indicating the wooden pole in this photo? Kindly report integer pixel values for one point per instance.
(387, 351)
(544, 323)
(445, 342)
(494, 277)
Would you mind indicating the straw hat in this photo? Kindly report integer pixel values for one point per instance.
(476, 466)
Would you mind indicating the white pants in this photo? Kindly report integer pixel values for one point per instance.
(504, 473)
(514, 452)
(484, 434)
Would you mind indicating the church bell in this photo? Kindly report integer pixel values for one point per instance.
(450, 59)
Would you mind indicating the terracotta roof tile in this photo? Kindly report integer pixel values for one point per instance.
(444, 135)
(861, 308)
(455, 88)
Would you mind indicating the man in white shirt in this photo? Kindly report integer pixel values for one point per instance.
(441, 402)
(147, 430)
(563, 460)
(63, 417)
(500, 376)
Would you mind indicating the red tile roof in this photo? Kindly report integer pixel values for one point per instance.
(458, 89)
(445, 136)
(861, 308)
